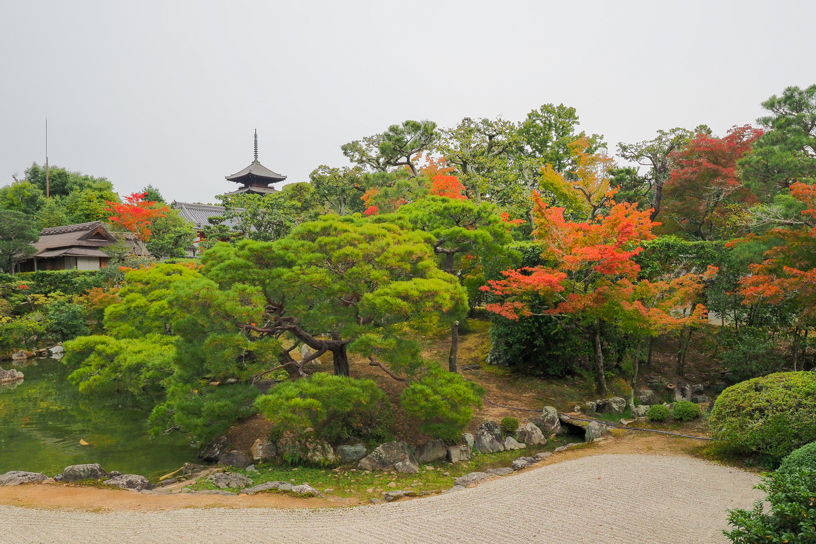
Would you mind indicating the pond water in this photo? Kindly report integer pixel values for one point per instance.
(44, 417)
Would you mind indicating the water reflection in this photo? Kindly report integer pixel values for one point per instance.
(44, 417)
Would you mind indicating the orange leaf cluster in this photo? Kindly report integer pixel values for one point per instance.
(447, 186)
(136, 214)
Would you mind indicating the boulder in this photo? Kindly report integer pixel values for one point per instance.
(646, 396)
(501, 471)
(468, 439)
(17, 477)
(91, 471)
(306, 489)
(130, 481)
(263, 487)
(191, 468)
(531, 435)
(391, 455)
(57, 350)
(11, 375)
(349, 454)
(543, 455)
(234, 459)
(21, 355)
(398, 494)
(263, 450)
(215, 450)
(612, 405)
(523, 462)
(700, 399)
(320, 452)
(471, 478)
(594, 431)
(589, 407)
(489, 438)
(640, 410)
(458, 453)
(432, 450)
(511, 444)
(698, 388)
(549, 422)
(225, 480)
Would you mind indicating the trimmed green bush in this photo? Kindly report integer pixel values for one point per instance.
(772, 415)
(804, 457)
(442, 402)
(686, 411)
(509, 425)
(338, 408)
(658, 412)
(790, 518)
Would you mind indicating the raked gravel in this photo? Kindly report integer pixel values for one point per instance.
(601, 499)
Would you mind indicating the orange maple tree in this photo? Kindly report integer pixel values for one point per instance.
(447, 186)
(136, 215)
(593, 277)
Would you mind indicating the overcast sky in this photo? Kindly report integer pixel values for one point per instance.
(169, 92)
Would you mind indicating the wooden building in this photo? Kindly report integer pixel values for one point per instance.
(256, 178)
(72, 247)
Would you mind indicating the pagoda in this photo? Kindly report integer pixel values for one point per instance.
(255, 178)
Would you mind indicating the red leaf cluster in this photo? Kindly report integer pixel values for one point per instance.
(136, 214)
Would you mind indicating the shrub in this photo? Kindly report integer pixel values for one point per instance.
(790, 519)
(772, 415)
(750, 354)
(804, 457)
(686, 411)
(67, 320)
(658, 412)
(443, 402)
(509, 425)
(338, 408)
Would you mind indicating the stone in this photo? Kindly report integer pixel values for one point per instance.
(594, 431)
(263, 487)
(531, 435)
(468, 439)
(213, 452)
(224, 480)
(501, 471)
(543, 455)
(285, 486)
(20, 355)
(320, 452)
(700, 399)
(471, 478)
(432, 450)
(191, 468)
(349, 454)
(510, 443)
(519, 464)
(489, 438)
(391, 456)
(215, 492)
(92, 471)
(565, 447)
(130, 481)
(646, 396)
(114, 473)
(234, 459)
(612, 405)
(306, 489)
(263, 450)
(391, 484)
(169, 481)
(12, 375)
(18, 477)
(589, 407)
(640, 410)
(251, 468)
(455, 488)
(398, 494)
(549, 422)
(374, 501)
(57, 350)
(698, 388)
(458, 453)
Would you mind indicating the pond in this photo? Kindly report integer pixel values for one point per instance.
(44, 417)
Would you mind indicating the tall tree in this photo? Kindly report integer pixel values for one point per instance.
(657, 155)
(61, 181)
(786, 152)
(136, 215)
(547, 133)
(261, 217)
(400, 145)
(17, 232)
(705, 192)
(22, 196)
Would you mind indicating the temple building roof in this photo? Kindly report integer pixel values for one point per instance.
(256, 178)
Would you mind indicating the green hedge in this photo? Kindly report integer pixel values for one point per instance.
(658, 412)
(772, 415)
(686, 411)
(804, 457)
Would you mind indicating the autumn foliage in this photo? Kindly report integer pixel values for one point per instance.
(447, 186)
(136, 215)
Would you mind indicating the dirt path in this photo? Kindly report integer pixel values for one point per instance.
(611, 498)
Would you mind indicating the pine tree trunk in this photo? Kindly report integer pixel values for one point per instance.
(340, 359)
(600, 374)
(452, 363)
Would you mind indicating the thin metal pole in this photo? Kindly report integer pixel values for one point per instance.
(47, 171)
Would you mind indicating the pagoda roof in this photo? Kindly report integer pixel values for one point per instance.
(256, 174)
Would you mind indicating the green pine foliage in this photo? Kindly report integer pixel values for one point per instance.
(658, 413)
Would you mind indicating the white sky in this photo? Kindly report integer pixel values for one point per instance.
(169, 92)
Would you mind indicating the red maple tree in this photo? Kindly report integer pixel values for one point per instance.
(447, 186)
(136, 215)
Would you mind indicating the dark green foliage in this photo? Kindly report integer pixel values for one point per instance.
(792, 515)
(772, 415)
(17, 232)
(749, 353)
(338, 408)
(804, 457)
(67, 320)
(443, 402)
(685, 411)
(509, 425)
(70, 282)
(540, 345)
(658, 412)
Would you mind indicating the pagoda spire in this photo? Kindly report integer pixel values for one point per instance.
(256, 145)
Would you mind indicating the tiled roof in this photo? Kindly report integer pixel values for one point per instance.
(198, 214)
(79, 227)
(256, 173)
